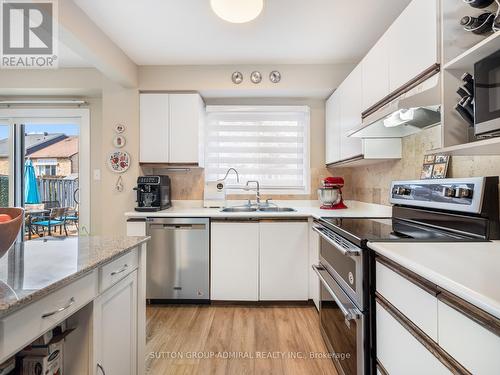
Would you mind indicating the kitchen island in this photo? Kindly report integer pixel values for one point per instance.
(93, 285)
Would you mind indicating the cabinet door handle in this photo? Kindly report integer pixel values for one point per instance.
(123, 269)
(71, 301)
(101, 368)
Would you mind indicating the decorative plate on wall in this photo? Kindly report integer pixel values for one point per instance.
(119, 128)
(119, 141)
(119, 161)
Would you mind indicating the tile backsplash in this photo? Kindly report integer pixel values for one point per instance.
(371, 183)
(189, 185)
(368, 183)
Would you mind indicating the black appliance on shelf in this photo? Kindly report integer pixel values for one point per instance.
(446, 210)
(487, 96)
(153, 193)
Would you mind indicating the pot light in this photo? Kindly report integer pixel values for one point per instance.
(237, 11)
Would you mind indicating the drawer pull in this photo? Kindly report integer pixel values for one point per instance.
(123, 269)
(71, 301)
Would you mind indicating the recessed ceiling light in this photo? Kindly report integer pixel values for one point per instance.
(237, 11)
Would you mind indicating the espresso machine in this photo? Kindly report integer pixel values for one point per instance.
(153, 193)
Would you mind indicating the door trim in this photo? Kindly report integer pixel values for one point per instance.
(82, 117)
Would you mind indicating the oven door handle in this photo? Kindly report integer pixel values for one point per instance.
(346, 252)
(349, 314)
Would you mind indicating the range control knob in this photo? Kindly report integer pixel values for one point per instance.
(448, 191)
(463, 193)
(401, 190)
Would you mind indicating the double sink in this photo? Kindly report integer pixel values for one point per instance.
(257, 209)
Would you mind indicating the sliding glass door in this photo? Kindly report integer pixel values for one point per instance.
(51, 177)
(45, 168)
(6, 164)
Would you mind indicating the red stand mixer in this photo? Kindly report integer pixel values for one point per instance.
(330, 195)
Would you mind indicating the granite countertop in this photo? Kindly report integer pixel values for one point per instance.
(33, 269)
(468, 270)
(303, 209)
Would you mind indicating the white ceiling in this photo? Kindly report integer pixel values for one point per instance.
(176, 32)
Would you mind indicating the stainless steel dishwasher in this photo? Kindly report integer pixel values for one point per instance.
(178, 260)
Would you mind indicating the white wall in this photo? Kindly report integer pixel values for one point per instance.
(111, 103)
(309, 81)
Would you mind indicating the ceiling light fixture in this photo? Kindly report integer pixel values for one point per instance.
(237, 11)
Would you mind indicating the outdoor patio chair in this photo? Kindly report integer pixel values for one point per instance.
(51, 204)
(72, 216)
(55, 219)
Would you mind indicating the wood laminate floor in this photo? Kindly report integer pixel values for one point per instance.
(238, 340)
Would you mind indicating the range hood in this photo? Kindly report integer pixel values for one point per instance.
(407, 111)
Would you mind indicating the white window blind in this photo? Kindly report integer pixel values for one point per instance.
(269, 144)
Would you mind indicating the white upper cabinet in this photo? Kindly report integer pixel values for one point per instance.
(413, 45)
(343, 114)
(186, 119)
(154, 128)
(170, 127)
(332, 129)
(407, 49)
(375, 68)
(350, 92)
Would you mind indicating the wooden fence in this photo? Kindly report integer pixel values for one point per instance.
(65, 192)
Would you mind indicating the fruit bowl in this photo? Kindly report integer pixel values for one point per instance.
(10, 229)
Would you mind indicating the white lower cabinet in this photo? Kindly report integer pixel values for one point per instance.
(401, 353)
(136, 227)
(115, 329)
(234, 261)
(314, 246)
(475, 347)
(284, 261)
(21, 327)
(415, 303)
(252, 261)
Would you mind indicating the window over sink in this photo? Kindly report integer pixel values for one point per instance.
(269, 144)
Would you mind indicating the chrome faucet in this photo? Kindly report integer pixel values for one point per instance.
(227, 173)
(257, 191)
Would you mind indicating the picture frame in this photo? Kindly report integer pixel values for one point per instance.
(435, 167)
(426, 172)
(429, 159)
(439, 170)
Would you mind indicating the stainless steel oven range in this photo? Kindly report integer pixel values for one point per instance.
(456, 210)
(344, 321)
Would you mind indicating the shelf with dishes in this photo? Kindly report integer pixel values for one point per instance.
(470, 57)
